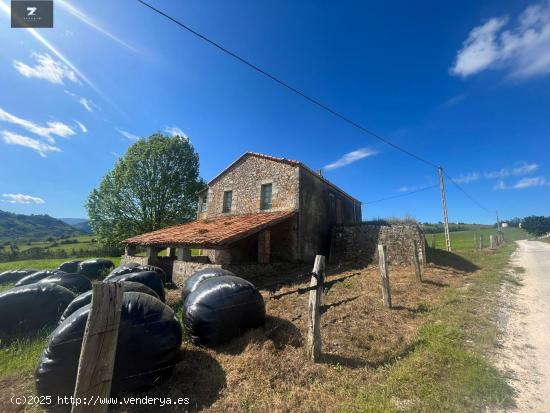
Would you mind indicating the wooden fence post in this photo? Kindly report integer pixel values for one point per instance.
(416, 262)
(433, 241)
(492, 241)
(475, 241)
(314, 320)
(384, 276)
(97, 356)
(480, 242)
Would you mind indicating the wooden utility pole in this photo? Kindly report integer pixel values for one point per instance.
(97, 357)
(384, 276)
(313, 347)
(444, 205)
(416, 262)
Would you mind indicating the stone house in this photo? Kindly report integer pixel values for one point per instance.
(258, 211)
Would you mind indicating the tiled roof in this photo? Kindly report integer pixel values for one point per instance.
(213, 232)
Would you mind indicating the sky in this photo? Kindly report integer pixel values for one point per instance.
(465, 85)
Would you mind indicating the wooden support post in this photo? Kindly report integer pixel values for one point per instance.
(384, 276)
(130, 250)
(481, 242)
(264, 246)
(444, 205)
(314, 320)
(416, 262)
(97, 356)
(475, 241)
(492, 241)
(433, 241)
(183, 254)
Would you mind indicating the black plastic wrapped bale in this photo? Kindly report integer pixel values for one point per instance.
(34, 277)
(95, 268)
(121, 270)
(28, 308)
(86, 298)
(199, 276)
(77, 283)
(148, 347)
(159, 271)
(69, 266)
(149, 278)
(222, 308)
(13, 276)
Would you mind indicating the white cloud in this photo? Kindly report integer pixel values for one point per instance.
(523, 183)
(115, 154)
(54, 71)
(466, 179)
(351, 157)
(85, 102)
(83, 128)
(22, 199)
(127, 135)
(523, 50)
(175, 131)
(90, 22)
(53, 128)
(15, 139)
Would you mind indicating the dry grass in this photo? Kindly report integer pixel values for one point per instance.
(266, 369)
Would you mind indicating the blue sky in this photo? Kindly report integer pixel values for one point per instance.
(464, 84)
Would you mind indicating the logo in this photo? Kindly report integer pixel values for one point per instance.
(32, 13)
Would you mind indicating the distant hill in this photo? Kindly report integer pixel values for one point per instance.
(81, 224)
(16, 227)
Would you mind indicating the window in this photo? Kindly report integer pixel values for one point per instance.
(203, 203)
(227, 201)
(265, 196)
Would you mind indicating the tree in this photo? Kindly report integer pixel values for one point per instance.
(536, 225)
(153, 186)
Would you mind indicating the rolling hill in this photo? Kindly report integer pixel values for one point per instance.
(16, 227)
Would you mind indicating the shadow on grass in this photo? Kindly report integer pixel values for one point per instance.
(434, 283)
(448, 259)
(324, 308)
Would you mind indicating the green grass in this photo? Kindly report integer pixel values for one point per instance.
(21, 356)
(44, 264)
(83, 241)
(448, 370)
(464, 240)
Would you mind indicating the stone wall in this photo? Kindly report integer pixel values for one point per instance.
(358, 243)
(245, 180)
(127, 259)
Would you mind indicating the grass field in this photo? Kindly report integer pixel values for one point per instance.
(464, 240)
(84, 241)
(44, 264)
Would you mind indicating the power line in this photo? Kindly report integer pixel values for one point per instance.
(402, 195)
(467, 194)
(289, 87)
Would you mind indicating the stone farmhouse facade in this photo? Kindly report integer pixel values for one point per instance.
(258, 211)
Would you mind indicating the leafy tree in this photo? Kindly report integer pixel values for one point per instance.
(536, 225)
(153, 186)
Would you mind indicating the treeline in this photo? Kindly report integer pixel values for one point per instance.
(536, 225)
(14, 254)
(437, 228)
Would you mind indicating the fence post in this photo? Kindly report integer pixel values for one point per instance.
(97, 356)
(314, 321)
(384, 276)
(480, 242)
(416, 262)
(433, 241)
(492, 241)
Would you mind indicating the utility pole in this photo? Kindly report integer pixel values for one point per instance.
(498, 223)
(444, 205)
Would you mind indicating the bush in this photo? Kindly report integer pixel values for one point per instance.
(536, 225)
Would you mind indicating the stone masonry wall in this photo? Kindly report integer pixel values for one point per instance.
(245, 180)
(359, 243)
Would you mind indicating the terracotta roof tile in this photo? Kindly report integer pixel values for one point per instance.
(213, 232)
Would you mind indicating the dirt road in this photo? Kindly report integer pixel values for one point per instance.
(525, 327)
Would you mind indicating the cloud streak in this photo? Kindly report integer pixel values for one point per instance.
(175, 131)
(350, 158)
(523, 183)
(85, 102)
(52, 128)
(54, 71)
(21, 199)
(522, 49)
(128, 135)
(523, 168)
(42, 148)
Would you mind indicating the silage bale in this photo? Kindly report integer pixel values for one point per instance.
(77, 283)
(149, 341)
(34, 277)
(199, 276)
(95, 268)
(149, 278)
(69, 266)
(28, 308)
(13, 276)
(222, 308)
(86, 298)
